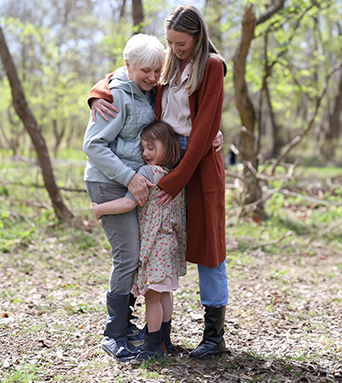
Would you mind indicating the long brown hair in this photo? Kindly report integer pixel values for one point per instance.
(188, 19)
(163, 132)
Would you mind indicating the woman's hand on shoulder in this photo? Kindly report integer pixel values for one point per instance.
(102, 106)
(164, 197)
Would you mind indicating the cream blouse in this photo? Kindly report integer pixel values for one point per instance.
(175, 104)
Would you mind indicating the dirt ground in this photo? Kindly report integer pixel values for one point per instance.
(283, 321)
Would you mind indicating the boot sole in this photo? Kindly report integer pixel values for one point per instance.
(124, 360)
(209, 354)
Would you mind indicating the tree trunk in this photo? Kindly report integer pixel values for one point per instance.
(331, 128)
(122, 10)
(275, 149)
(16, 133)
(246, 108)
(249, 147)
(138, 15)
(58, 135)
(335, 118)
(30, 123)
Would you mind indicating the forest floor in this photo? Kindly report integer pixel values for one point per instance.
(283, 320)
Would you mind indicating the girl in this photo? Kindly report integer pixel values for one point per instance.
(189, 97)
(162, 237)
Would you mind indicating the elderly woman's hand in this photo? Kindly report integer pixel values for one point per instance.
(139, 188)
(100, 106)
(218, 141)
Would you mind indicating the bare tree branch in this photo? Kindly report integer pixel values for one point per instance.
(272, 10)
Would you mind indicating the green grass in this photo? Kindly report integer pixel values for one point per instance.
(321, 172)
(25, 373)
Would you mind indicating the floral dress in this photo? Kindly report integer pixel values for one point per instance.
(162, 241)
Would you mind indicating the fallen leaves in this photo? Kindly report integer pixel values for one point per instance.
(283, 311)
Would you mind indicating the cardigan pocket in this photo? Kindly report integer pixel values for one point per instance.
(208, 174)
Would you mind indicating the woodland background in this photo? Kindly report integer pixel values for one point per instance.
(61, 48)
(281, 120)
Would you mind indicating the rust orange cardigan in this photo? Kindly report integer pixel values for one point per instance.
(201, 167)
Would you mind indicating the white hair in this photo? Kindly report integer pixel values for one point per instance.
(144, 50)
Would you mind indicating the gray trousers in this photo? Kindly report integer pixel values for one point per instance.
(122, 232)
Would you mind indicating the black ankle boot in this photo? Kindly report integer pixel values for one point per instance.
(151, 346)
(213, 342)
(115, 341)
(166, 341)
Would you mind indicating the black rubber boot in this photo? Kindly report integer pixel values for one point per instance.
(166, 341)
(115, 341)
(135, 335)
(213, 342)
(151, 346)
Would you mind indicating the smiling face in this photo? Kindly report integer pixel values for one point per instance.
(144, 77)
(152, 152)
(181, 43)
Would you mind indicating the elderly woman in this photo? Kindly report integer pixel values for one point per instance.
(114, 156)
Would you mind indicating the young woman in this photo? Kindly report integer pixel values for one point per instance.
(189, 97)
(162, 237)
(114, 157)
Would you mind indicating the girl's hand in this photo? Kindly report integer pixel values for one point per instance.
(99, 105)
(164, 197)
(139, 188)
(96, 212)
(218, 141)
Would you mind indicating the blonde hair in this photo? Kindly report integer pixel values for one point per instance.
(144, 50)
(188, 19)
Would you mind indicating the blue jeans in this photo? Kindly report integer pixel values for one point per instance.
(213, 285)
(182, 140)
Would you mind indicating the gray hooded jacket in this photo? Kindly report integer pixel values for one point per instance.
(113, 147)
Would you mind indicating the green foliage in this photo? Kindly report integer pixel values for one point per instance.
(58, 61)
(55, 92)
(24, 374)
(114, 44)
